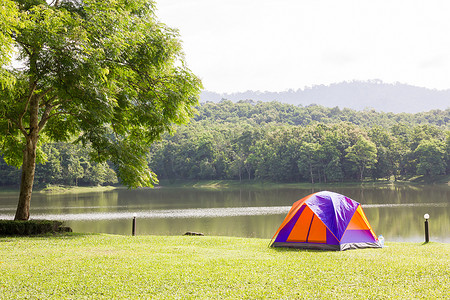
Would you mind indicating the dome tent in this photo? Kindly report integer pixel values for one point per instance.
(326, 221)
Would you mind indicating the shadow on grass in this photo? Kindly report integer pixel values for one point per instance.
(288, 249)
(426, 243)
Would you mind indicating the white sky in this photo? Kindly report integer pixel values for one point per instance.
(275, 45)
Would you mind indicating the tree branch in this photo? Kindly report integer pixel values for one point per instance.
(55, 3)
(45, 117)
(49, 101)
(30, 96)
(25, 47)
(19, 125)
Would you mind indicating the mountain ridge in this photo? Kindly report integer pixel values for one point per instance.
(358, 95)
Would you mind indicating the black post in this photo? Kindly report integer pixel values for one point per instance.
(133, 229)
(427, 235)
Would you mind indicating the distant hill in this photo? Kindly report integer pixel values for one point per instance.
(358, 95)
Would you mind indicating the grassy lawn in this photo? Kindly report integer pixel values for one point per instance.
(80, 266)
(58, 189)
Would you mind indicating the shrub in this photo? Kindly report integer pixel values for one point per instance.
(33, 227)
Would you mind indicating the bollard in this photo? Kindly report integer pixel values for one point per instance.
(427, 234)
(133, 228)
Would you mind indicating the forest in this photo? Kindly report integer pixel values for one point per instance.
(250, 140)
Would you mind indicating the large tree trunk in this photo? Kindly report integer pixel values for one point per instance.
(29, 159)
(26, 183)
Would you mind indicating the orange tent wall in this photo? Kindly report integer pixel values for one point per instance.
(295, 207)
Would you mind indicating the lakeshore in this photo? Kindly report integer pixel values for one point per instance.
(233, 184)
(222, 208)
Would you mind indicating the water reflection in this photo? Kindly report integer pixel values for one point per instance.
(396, 211)
(170, 213)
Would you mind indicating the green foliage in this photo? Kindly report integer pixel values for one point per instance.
(8, 21)
(66, 164)
(107, 73)
(257, 112)
(69, 164)
(431, 157)
(363, 153)
(245, 147)
(238, 149)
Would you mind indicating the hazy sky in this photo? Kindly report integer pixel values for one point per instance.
(275, 45)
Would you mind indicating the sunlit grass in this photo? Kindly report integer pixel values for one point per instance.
(59, 189)
(187, 267)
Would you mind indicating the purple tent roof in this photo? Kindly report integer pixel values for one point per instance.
(334, 210)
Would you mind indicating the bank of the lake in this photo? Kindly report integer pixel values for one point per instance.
(232, 184)
(184, 267)
(221, 208)
(61, 189)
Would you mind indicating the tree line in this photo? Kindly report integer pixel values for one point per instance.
(63, 164)
(251, 140)
(258, 112)
(317, 152)
(286, 143)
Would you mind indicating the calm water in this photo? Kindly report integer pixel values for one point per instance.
(394, 211)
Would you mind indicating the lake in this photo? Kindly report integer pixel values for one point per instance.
(395, 211)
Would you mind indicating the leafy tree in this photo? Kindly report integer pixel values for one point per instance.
(9, 175)
(105, 72)
(330, 161)
(363, 154)
(100, 173)
(51, 171)
(205, 157)
(74, 170)
(431, 157)
(387, 164)
(243, 144)
(8, 22)
(308, 159)
(402, 148)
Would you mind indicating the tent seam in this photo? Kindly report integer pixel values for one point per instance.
(346, 227)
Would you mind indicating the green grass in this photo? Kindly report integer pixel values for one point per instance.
(59, 189)
(186, 267)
